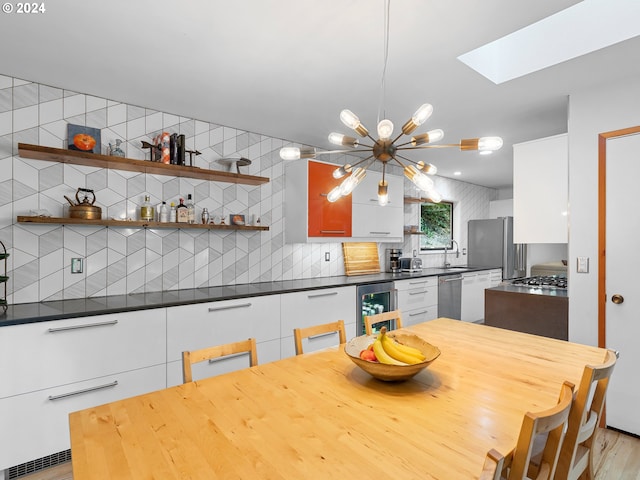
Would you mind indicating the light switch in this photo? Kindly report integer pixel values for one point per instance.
(76, 265)
(583, 265)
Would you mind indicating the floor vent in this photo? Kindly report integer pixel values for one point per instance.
(39, 464)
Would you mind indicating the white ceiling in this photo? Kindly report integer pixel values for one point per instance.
(285, 68)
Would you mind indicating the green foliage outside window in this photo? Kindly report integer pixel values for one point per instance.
(436, 221)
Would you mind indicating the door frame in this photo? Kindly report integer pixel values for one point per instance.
(602, 226)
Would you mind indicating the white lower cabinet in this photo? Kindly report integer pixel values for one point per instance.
(36, 424)
(313, 307)
(417, 299)
(46, 354)
(53, 368)
(473, 287)
(495, 277)
(191, 327)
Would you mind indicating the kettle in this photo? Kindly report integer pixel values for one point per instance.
(84, 209)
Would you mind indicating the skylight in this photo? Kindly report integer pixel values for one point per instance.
(580, 29)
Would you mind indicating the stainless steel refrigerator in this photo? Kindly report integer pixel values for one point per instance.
(491, 245)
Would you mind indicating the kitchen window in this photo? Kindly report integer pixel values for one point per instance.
(436, 223)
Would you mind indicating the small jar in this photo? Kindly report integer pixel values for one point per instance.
(205, 216)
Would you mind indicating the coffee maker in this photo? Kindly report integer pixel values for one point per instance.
(393, 260)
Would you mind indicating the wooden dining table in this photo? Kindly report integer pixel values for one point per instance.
(319, 416)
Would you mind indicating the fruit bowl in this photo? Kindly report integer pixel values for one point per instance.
(391, 373)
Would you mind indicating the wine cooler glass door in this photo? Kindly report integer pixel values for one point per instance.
(373, 299)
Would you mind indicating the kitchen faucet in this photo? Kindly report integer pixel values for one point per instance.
(447, 264)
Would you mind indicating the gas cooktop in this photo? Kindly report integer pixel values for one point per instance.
(542, 281)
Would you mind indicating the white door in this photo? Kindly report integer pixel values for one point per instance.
(622, 265)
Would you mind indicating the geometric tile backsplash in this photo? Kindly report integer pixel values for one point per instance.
(122, 260)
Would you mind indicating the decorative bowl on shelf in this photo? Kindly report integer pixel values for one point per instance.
(391, 373)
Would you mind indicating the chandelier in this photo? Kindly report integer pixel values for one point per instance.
(386, 148)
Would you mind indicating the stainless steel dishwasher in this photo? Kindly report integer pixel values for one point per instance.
(450, 296)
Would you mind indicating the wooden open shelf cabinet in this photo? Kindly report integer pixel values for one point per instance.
(75, 157)
(133, 223)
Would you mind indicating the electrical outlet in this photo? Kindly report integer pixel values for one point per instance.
(76, 265)
(327, 256)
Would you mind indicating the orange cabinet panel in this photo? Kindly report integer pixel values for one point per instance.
(326, 219)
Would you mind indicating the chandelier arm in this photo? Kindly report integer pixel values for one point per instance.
(325, 152)
(448, 145)
(399, 162)
(397, 138)
(362, 161)
(407, 159)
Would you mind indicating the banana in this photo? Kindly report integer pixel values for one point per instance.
(409, 350)
(382, 355)
(391, 347)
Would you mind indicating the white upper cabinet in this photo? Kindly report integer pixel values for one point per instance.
(372, 222)
(540, 190)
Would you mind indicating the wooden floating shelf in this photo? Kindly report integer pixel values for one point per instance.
(134, 223)
(76, 157)
(409, 232)
(416, 200)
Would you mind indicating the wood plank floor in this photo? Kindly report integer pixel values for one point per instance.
(618, 458)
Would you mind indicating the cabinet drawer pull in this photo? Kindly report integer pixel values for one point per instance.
(84, 325)
(84, 390)
(322, 295)
(418, 313)
(376, 200)
(419, 293)
(321, 335)
(419, 283)
(229, 307)
(332, 231)
(380, 233)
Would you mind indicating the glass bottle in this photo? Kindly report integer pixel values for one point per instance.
(115, 150)
(182, 213)
(205, 216)
(172, 213)
(164, 212)
(146, 210)
(191, 209)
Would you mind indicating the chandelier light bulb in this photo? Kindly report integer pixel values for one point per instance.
(435, 135)
(341, 171)
(430, 169)
(385, 129)
(290, 153)
(336, 138)
(352, 181)
(383, 195)
(489, 143)
(340, 139)
(350, 119)
(422, 114)
(334, 194)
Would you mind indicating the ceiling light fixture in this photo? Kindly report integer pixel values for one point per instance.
(385, 148)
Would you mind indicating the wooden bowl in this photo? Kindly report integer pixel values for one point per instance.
(391, 373)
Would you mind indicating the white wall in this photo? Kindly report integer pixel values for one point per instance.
(594, 111)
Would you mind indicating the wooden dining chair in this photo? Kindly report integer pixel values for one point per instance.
(209, 353)
(516, 466)
(576, 455)
(323, 329)
(370, 320)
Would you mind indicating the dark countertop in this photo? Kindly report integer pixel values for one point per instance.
(82, 307)
(556, 292)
